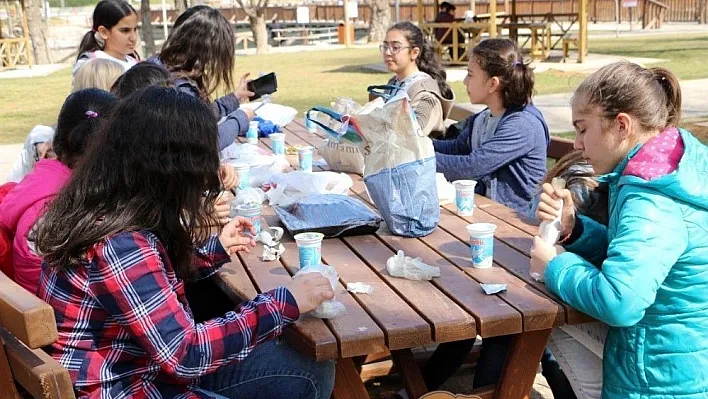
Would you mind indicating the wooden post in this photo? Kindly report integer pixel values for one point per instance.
(492, 18)
(583, 34)
(347, 25)
(472, 7)
(25, 29)
(421, 18)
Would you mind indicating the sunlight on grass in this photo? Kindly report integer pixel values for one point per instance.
(314, 78)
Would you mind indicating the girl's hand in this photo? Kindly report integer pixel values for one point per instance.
(549, 207)
(310, 290)
(541, 254)
(228, 176)
(232, 238)
(222, 207)
(242, 92)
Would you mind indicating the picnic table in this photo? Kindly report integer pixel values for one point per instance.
(401, 314)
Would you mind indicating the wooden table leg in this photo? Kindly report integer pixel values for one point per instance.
(409, 371)
(347, 382)
(521, 365)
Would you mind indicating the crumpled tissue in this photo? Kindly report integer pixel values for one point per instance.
(400, 265)
(360, 288)
(272, 248)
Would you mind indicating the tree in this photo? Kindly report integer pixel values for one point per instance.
(38, 31)
(380, 20)
(180, 6)
(255, 10)
(703, 17)
(146, 31)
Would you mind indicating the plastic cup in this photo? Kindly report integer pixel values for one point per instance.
(251, 212)
(278, 142)
(311, 127)
(482, 244)
(304, 156)
(309, 246)
(243, 171)
(464, 196)
(252, 133)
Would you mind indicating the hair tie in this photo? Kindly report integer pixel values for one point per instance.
(91, 115)
(99, 39)
(515, 64)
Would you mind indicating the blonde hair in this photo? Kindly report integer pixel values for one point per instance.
(98, 73)
(652, 96)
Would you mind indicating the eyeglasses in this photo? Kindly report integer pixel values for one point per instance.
(394, 49)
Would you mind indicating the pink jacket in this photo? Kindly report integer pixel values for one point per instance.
(20, 210)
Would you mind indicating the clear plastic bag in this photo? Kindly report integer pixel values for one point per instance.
(331, 308)
(289, 187)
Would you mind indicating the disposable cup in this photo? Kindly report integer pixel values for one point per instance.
(304, 155)
(464, 196)
(243, 170)
(252, 212)
(252, 134)
(482, 244)
(278, 142)
(309, 247)
(311, 127)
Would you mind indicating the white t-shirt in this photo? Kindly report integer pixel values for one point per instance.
(127, 63)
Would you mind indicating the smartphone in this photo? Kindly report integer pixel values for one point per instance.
(266, 84)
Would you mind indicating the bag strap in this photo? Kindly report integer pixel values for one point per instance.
(381, 90)
(351, 133)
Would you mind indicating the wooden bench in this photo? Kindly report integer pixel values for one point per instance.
(567, 42)
(26, 324)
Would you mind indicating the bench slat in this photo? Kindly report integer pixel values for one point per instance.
(7, 382)
(25, 316)
(41, 375)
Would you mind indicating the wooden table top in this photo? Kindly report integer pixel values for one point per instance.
(400, 313)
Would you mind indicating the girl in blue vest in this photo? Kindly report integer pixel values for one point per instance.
(644, 273)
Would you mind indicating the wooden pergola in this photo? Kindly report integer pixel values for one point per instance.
(473, 30)
(14, 50)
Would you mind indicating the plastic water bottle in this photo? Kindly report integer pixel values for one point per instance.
(252, 133)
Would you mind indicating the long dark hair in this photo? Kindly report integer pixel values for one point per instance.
(501, 58)
(79, 119)
(428, 61)
(202, 49)
(152, 166)
(107, 14)
(140, 76)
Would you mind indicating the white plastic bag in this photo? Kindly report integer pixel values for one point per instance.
(331, 308)
(263, 163)
(400, 265)
(280, 115)
(289, 187)
(446, 191)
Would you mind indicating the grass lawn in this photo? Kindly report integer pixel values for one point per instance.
(317, 78)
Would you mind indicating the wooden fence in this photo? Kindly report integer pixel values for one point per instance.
(598, 11)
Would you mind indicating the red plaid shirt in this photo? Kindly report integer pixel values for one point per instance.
(126, 330)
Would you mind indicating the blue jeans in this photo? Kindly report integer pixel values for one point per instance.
(270, 370)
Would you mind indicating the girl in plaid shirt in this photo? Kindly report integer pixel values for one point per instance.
(118, 242)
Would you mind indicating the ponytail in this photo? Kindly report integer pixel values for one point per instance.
(670, 85)
(89, 43)
(429, 62)
(651, 96)
(501, 58)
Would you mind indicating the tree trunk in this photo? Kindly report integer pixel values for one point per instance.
(380, 20)
(260, 32)
(146, 30)
(704, 12)
(38, 31)
(180, 6)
